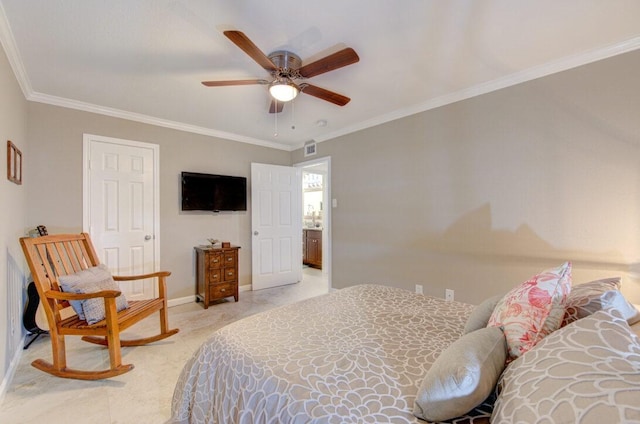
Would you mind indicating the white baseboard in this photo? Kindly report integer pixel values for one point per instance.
(6, 381)
(181, 300)
(189, 299)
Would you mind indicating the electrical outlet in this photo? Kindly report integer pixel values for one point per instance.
(448, 295)
(419, 289)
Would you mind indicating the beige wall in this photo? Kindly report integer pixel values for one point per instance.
(479, 195)
(13, 126)
(55, 195)
(475, 196)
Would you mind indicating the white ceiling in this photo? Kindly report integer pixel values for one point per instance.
(144, 59)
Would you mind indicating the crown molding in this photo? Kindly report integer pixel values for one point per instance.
(145, 119)
(549, 68)
(13, 55)
(17, 65)
(8, 43)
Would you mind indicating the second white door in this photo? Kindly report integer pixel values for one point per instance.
(276, 224)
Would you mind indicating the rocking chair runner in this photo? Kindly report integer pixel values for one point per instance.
(52, 256)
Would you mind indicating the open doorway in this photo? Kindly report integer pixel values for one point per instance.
(316, 220)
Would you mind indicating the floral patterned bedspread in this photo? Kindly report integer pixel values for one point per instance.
(357, 355)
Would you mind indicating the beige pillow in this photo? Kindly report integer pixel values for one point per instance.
(463, 376)
(480, 315)
(586, 372)
(588, 298)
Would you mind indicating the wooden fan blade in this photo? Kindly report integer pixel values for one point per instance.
(321, 93)
(276, 107)
(235, 82)
(336, 60)
(239, 39)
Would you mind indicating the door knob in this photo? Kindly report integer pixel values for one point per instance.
(147, 237)
(255, 233)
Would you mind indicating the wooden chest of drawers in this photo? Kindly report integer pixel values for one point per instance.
(312, 248)
(216, 273)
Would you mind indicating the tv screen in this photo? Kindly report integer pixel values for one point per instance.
(208, 192)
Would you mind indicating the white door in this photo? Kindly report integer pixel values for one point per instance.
(277, 225)
(121, 208)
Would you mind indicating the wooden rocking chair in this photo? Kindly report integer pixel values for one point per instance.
(52, 256)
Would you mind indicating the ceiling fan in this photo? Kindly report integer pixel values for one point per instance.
(286, 68)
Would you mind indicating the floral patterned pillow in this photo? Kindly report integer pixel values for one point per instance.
(533, 309)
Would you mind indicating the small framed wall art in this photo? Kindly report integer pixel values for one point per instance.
(14, 163)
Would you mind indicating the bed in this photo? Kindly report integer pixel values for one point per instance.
(377, 354)
(357, 355)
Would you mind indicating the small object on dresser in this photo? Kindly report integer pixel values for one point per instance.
(213, 241)
(226, 244)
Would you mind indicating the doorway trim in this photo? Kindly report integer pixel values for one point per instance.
(326, 200)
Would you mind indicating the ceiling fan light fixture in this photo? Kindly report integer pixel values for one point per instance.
(283, 91)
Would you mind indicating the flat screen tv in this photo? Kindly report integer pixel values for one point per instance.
(208, 192)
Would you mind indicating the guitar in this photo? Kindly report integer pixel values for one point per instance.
(34, 318)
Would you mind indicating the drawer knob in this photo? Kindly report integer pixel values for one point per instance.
(223, 290)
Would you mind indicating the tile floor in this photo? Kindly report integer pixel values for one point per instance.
(142, 395)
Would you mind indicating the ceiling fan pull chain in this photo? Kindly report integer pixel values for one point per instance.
(275, 134)
(293, 114)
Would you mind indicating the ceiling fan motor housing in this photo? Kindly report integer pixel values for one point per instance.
(287, 63)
